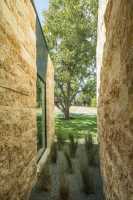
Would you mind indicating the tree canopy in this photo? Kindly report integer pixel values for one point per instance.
(70, 29)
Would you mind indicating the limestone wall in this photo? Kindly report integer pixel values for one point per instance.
(17, 99)
(115, 109)
(50, 102)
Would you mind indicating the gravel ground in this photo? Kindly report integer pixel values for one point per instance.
(75, 180)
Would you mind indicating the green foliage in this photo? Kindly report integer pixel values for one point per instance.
(88, 94)
(78, 126)
(71, 29)
(93, 102)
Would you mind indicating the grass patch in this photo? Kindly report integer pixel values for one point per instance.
(79, 125)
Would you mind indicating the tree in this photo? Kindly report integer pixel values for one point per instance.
(88, 94)
(70, 30)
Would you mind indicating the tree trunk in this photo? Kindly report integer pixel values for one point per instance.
(67, 113)
(67, 102)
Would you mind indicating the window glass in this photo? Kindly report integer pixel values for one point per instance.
(41, 136)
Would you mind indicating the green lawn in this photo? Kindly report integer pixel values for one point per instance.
(79, 125)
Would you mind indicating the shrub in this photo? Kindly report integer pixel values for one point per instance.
(87, 180)
(60, 141)
(73, 145)
(64, 188)
(95, 161)
(54, 153)
(69, 162)
(92, 151)
(88, 142)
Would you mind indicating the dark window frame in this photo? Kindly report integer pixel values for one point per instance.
(42, 64)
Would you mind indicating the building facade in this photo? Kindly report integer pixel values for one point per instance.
(115, 97)
(26, 99)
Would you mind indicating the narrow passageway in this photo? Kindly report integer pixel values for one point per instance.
(48, 58)
(72, 171)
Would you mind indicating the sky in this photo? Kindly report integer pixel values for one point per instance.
(41, 5)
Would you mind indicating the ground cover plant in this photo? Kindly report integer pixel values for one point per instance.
(74, 162)
(92, 151)
(87, 179)
(73, 144)
(44, 181)
(60, 141)
(69, 162)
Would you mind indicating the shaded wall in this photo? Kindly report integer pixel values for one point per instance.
(17, 99)
(115, 102)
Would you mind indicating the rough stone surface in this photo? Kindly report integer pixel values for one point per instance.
(18, 72)
(17, 99)
(50, 101)
(115, 104)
